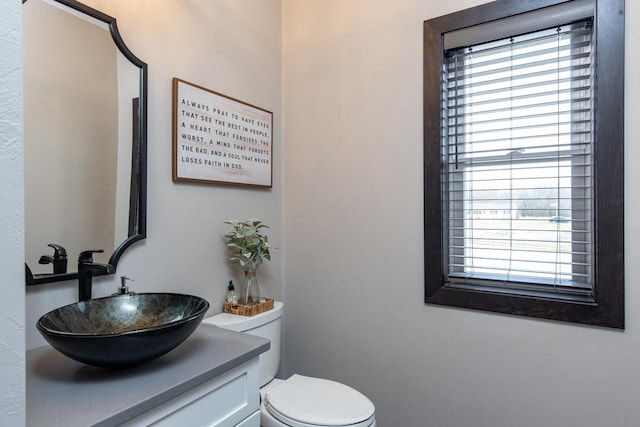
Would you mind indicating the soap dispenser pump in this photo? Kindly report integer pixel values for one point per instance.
(124, 289)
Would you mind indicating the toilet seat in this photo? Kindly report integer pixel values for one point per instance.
(304, 401)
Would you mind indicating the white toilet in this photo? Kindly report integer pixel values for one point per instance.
(299, 401)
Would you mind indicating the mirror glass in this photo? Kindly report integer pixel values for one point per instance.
(84, 139)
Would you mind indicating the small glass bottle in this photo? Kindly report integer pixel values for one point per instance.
(232, 296)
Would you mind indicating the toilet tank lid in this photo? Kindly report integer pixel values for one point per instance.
(236, 322)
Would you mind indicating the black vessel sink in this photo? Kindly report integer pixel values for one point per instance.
(124, 330)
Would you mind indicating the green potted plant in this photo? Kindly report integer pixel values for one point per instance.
(248, 247)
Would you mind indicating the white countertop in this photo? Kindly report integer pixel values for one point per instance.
(63, 392)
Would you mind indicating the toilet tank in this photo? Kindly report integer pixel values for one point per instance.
(268, 325)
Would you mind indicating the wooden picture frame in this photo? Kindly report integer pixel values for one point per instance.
(219, 139)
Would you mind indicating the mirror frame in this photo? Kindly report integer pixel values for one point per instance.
(138, 174)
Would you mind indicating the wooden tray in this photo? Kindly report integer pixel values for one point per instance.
(249, 310)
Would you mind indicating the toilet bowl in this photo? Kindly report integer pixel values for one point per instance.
(299, 401)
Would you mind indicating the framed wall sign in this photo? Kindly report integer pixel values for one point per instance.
(220, 139)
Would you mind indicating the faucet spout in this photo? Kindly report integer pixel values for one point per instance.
(87, 269)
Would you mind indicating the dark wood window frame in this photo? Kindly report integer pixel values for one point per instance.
(607, 306)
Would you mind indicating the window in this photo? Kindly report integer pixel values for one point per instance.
(523, 188)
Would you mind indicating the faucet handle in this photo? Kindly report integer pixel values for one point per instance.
(59, 251)
(87, 256)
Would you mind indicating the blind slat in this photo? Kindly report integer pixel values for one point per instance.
(542, 63)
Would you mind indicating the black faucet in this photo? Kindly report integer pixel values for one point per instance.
(86, 270)
(59, 259)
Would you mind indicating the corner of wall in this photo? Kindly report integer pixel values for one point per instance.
(12, 355)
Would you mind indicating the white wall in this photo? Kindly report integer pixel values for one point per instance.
(353, 228)
(12, 386)
(230, 46)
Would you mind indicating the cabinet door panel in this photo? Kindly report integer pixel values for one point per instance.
(223, 401)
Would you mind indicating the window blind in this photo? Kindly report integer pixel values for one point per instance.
(517, 170)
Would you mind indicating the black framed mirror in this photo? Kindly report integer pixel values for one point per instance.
(85, 139)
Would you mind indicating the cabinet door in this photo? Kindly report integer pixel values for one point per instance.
(252, 421)
(223, 401)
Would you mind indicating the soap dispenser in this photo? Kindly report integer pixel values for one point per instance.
(124, 289)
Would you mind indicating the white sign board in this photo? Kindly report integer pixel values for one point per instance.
(220, 139)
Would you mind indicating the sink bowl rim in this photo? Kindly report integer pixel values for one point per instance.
(89, 335)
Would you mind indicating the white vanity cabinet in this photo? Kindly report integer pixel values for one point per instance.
(231, 399)
(212, 379)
